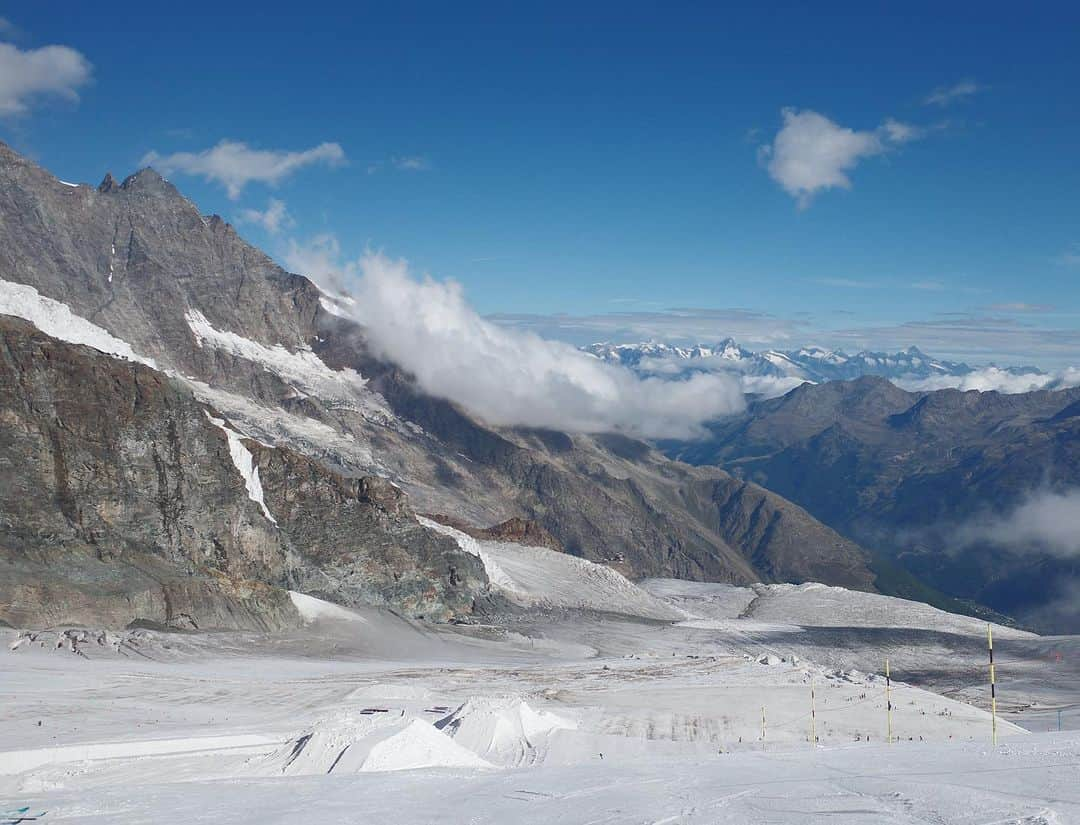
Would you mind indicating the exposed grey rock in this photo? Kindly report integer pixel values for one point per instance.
(903, 471)
(119, 501)
(140, 261)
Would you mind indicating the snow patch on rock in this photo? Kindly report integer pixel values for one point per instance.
(496, 575)
(244, 462)
(302, 367)
(56, 319)
(312, 609)
(538, 577)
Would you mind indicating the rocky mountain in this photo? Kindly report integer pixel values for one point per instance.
(935, 478)
(124, 498)
(257, 444)
(788, 367)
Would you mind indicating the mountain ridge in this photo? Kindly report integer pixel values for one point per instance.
(773, 372)
(909, 472)
(154, 280)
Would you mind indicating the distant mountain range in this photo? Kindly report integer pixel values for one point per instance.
(977, 494)
(774, 372)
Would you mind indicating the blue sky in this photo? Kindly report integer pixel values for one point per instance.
(583, 169)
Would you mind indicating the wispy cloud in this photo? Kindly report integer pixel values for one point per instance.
(28, 76)
(410, 163)
(1019, 307)
(1046, 521)
(319, 259)
(234, 164)
(811, 153)
(1000, 380)
(857, 283)
(273, 219)
(1003, 338)
(972, 338)
(848, 283)
(687, 325)
(404, 163)
(508, 376)
(897, 131)
(948, 95)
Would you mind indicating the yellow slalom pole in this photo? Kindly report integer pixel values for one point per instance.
(763, 727)
(993, 686)
(888, 702)
(813, 716)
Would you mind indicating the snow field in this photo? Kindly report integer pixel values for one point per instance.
(303, 368)
(598, 715)
(539, 577)
(56, 319)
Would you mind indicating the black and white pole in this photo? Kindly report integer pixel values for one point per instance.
(888, 703)
(763, 727)
(813, 716)
(993, 686)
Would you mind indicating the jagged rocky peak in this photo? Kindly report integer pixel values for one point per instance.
(108, 184)
(147, 181)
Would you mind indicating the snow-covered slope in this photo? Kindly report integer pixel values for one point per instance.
(538, 577)
(56, 319)
(815, 605)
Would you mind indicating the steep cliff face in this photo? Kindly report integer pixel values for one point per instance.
(117, 499)
(135, 270)
(124, 498)
(357, 540)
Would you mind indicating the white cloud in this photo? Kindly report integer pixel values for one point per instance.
(26, 76)
(770, 386)
(273, 219)
(1019, 307)
(506, 376)
(811, 153)
(848, 283)
(234, 164)
(1045, 521)
(996, 379)
(404, 163)
(411, 163)
(948, 95)
(319, 259)
(900, 132)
